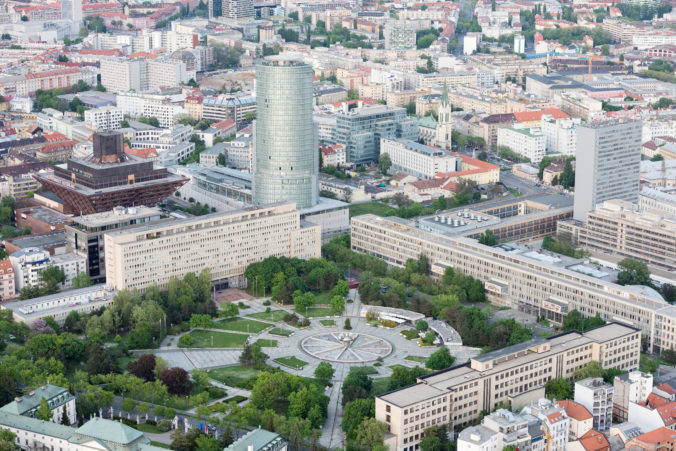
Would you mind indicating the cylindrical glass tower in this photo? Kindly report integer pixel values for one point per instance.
(286, 159)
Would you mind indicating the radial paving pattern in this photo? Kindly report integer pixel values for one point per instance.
(346, 347)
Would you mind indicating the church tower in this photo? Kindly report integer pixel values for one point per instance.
(444, 122)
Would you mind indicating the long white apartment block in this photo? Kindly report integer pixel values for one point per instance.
(224, 242)
(538, 286)
(104, 118)
(418, 160)
(135, 104)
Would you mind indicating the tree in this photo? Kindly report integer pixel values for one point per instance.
(403, 376)
(347, 325)
(440, 359)
(52, 277)
(64, 417)
(324, 372)
(207, 442)
(421, 325)
(143, 409)
(7, 440)
(177, 381)
(128, 404)
(228, 310)
(124, 123)
(252, 355)
(633, 272)
(559, 388)
(98, 361)
(431, 443)
(369, 436)
(488, 238)
(356, 385)
(592, 369)
(384, 163)
(354, 414)
(44, 412)
(337, 304)
(567, 179)
(144, 367)
(82, 280)
(221, 160)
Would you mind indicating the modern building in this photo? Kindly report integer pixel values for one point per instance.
(527, 142)
(85, 235)
(215, 8)
(59, 400)
(477, 438)
(457, 396)
(71, 264)
(597, 397)
(164, 108)
(400, 35)
(141, 74)
(658, 199)
(28, 264)
(110, 178)
(634, 386)
(608, 160)
(360, 130)
(226, 243)
(286, 160)
(519, 43)
(418, 160)
(560, 134)
(7, 284)
(619, 228)
(259, 440)
(104, 118)
(238, 9)
(543, 285)
(237, 108)
(60, 305)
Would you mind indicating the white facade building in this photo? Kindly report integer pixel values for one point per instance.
(104, 118)
(122, 75)
(150, 105)
(527, 142)
(519, 43)
(635, 387)
(597, 397)
(554, 418)
(560, 134)
(418, 160)
(72, 264)
(477, 438)
(28, 264)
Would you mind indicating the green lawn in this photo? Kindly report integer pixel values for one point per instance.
(376, 208)
(410, 334)
(327, 322)
(241, 325)
(236, 376)
(281, 332)
(368, 370)
(317, 312)
(145, 427)
(160, 445)
(267, 343)
(274, 315)
(237, 399)
(394, 367)
(415, 358)
(291, 362)
(323, 298)
(203, 339)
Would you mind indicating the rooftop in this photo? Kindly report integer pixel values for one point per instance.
(44, 240)
(32, 400)
(575, 410)
(115, 216)
(109, 431)
(258, 439)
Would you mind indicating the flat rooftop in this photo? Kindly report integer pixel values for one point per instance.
(116, 216)
(51, 239)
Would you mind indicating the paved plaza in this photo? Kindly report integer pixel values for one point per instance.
(379, 348)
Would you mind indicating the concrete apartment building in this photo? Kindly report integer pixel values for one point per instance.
(400, 35)
(104, 118)
(60, 305)
(224, 242)
(597, 397)
(136, 104)
(635, 387)
(457, 395)
(418, 160)
(521, 279)
(608, 160)
(658, 199)
(123, 75)
(7, 290)
(527, 142)
(620, 228)
(560, 134)
(85, 235)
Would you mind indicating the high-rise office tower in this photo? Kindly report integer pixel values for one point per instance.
(286, 161)
(215, 8)
(72, 10)
(607, 164)
(238, 9)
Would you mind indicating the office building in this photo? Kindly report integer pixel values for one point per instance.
(619, 228)
(215, 8)
(597, 397)
(59, 400)
(28, 264)
(110, 178)
(123, 75)
(104, 118)
(85, 235)
(237, 108)
(60, 305)
(138, 74)
(458, 395)
(519, 43)
(286, 161)
(164, 108)
(544, 286)
(226, 243)
(608, 160)
(238, 9)
(360, 130)
(418, 160)
(658, 199)
(560, 134)
(635, 387)
(400, 35)
(527, 142)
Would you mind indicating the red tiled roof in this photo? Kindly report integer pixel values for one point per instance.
(575, 410)
(148, 152)
(659, 435)
(594, 441)
(668, 413)
(528, 116)
(654, 401)
(665, 387)
(428, 184)
(6, 266)
(54, 147)
(113, 52)
(478, 166)
(52, 73)
(55, 137)
(224, 124)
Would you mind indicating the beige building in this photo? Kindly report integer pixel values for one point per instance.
(520, 279)
(619, 227)
(224, 242)
(458, 395)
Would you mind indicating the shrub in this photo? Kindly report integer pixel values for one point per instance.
(216, 392)
(151, 422)
(388, 323)
(164, 425)
(185, 340)
(267, 302)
